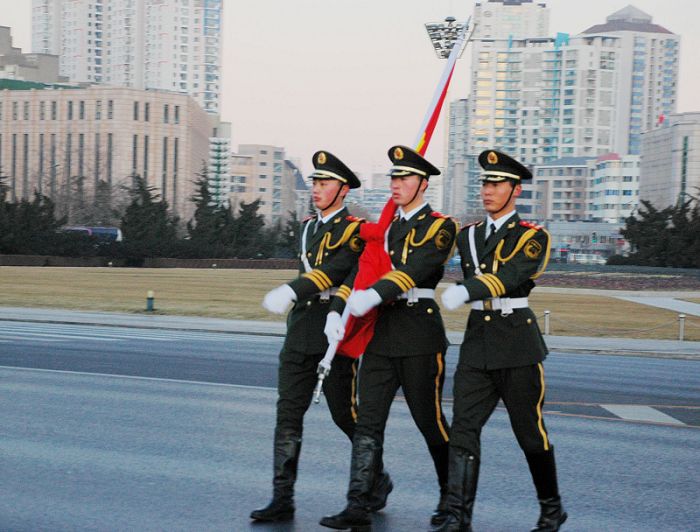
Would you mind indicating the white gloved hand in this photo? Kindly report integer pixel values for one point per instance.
(455, 296)
(362, 301)
(334, 329)
(278, 299)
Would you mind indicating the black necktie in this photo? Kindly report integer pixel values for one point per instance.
(492, 235)
(318, 224)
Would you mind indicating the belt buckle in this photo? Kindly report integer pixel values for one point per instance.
(488, 304)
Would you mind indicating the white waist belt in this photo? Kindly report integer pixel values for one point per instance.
(414, 294)
(327, 294)
(504, 304)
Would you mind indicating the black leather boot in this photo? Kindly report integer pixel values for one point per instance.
(366, 459)
(440, 455)
(552, 515)
(383, 486)
(544, 475)
(286, 451)
(464, 476)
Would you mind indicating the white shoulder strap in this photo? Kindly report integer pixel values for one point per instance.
(304, 260)
(472, 249)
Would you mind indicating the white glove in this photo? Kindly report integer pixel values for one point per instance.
(455, 296)
(334, 329)
(362, 301)
(278, 299)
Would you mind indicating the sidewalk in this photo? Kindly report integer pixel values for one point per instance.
(581, 344)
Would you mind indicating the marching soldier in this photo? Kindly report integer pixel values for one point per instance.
(502, 352)
(409, 343)
(330, 247)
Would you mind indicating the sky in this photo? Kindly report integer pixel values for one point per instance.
(355, 77)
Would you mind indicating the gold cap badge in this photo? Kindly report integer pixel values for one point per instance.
(321, 159)
(398, 153)
(492, 158)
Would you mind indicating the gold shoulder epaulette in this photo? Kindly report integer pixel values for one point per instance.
(467, 226)
(530, 225)
(351, 218)
(436, 214)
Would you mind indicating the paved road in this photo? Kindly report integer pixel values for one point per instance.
(99, 452)
(116, 428)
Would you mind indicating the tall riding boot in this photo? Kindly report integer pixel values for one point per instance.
(364, 467)
(544, 475)
(464, 476)
(381, 489)
(286, 451)
(441, 454)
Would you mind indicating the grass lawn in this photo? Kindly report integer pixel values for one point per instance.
(236, 294)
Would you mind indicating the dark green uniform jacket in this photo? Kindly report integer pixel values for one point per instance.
(332, 253)
(513, 259)
(418, 248)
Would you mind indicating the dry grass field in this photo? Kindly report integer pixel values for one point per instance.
(236, 294)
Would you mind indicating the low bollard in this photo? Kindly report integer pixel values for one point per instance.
(546, 323)
(681, 326)
(149, 301)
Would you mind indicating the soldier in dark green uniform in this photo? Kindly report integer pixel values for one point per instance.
(330, 248)
(409, 343)
(502, 352)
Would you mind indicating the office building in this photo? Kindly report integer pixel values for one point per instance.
(670, 163)
(261, 172)
(61, 142)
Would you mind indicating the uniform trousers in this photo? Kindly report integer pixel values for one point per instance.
(421, 378)
(297, 380)
(476, 394)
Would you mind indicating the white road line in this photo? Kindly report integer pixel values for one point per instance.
(7, 338)
(641, 413)
(39, 336)
(138, 378)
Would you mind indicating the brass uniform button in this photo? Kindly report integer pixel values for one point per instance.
(430, 311)
(325, 254)
(391, 252)
(308, 254)
(487, 318)
(308, 303)
(482, 266)
(529, 321)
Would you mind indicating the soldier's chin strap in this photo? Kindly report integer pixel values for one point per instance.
(512, 189)
(420, 182)
(334, 198)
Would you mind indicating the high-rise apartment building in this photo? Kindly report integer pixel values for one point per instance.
(502, 19)
(171, 45)
(542, 98)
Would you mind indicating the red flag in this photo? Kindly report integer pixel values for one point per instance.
(374, 261)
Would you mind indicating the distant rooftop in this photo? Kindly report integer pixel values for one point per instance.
(628, 19)
(20, 85)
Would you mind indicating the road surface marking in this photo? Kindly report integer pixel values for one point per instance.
(641, 413)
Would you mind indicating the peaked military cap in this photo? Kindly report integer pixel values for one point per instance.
(499, 166)
(328, 166)
(409, 162)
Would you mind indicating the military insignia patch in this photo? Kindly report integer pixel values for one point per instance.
(492, 158)
(321, 159)
(355, 243)
(398, 153)
(532, 249)
(443, 239)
